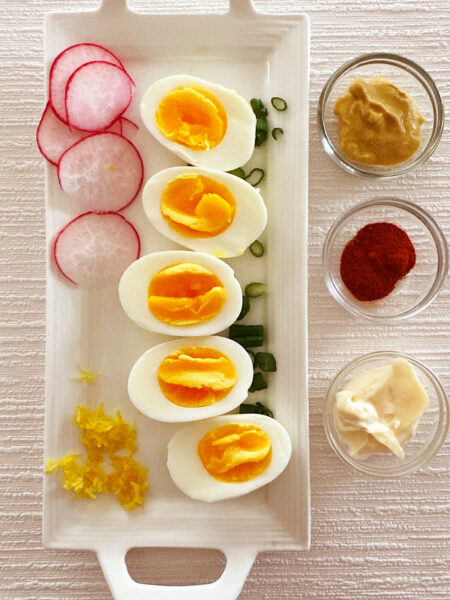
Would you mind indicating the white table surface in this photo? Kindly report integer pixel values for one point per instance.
(370, 539)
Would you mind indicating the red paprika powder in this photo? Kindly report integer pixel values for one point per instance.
(373, 261)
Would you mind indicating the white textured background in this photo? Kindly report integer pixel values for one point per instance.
(370, 539)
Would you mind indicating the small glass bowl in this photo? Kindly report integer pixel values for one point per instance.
(406, 75)
(431, 429)
(414, 292)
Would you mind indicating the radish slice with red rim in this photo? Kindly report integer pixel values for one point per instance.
(129, 128)
(95, 248)
(53, 136)
(97, 94)
(66, 63)
(116, 127)
(103, 171)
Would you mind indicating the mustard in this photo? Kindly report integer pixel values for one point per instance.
(379, 124)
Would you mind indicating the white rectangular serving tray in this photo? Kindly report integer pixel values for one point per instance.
(259, 55)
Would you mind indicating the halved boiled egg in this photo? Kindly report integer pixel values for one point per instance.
(205, 210)
(203, 123)
(228, 456)
(178, 292)
(189, 379)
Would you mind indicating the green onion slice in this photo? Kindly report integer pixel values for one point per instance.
(255, 176)
(276, 132)
(262, 130)
(249, 341)
(261, 125)
(265, 361)
(258, 108)
(260, 137)
(257, 408)
(257, 249)
(245, 307)
(255, 289)
(239, 172)
(258, 383)
(278, 103)
(248, 336)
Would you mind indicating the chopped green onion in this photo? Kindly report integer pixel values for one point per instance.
(261, 125)
(239, 172)
(258, 176)
(249, 341)
(260, 137)
(245, 307)
(265, 361)
(257, 408)
(257, 249)
(248, 336)
(255, 289)
(243, 330)
(258, 108)
(258, 383)
(279, 103)
(262, 130)
(277, 131)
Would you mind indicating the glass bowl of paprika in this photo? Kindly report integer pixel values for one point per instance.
(380, 115)
(385, 259)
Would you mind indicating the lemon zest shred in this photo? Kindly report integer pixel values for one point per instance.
(85, 376)
(110, 442)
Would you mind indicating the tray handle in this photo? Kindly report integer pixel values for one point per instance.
(242, 7)
(237, 7)
(227, 587)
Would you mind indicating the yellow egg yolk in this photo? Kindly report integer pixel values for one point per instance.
(197, 206)
(235, 453)
(192, 117)
(196, 376)
(185, 294)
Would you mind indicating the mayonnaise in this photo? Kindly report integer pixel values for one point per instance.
(380, 409)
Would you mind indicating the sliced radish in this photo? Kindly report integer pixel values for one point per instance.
(103, 171)
(116, 127)
(66, 63)
(129, 128)
(97, 93)
(53, 136)
(95, 248)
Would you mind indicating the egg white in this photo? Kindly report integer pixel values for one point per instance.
(146, 395)
(189, 475)
(238, 143)
(134, 283)
(249, 221)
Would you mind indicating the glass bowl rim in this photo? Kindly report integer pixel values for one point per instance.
(433, 228)
(430, 450)
(420, 74)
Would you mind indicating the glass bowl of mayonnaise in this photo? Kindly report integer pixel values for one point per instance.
(380, 115)
(386, 414)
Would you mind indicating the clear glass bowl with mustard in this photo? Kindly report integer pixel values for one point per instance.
(380, 115)
(386, 414)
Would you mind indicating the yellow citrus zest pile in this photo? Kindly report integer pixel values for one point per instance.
(109, 467)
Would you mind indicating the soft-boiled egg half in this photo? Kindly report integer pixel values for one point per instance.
(203, 123)
(189, 379)
(228, 456)
(205, 210)
(179, 292)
